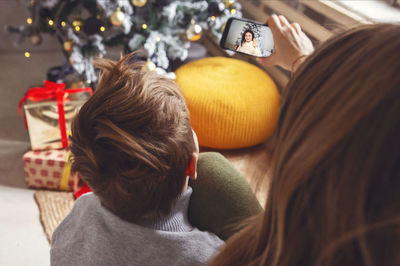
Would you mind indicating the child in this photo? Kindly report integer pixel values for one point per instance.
(133, 144)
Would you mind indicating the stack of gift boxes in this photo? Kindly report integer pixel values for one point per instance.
(48, 114)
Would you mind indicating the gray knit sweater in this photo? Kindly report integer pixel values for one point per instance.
(92, 235)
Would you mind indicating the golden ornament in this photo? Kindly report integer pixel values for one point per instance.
(139, 3)
(149, 66)
(36, 39)
(194, 31)
(223, 27)
(229, 3)
(117, 17)
(77, 22)
(67, 45)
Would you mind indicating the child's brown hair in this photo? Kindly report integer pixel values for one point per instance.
(132, 140)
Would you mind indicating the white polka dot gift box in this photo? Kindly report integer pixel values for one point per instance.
(49, 169)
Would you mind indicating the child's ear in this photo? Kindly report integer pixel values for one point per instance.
(191, 169)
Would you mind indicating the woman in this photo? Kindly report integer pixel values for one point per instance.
(248, 44)
(334, 197)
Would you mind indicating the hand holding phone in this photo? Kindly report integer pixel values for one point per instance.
(247, 37)
(291, 44)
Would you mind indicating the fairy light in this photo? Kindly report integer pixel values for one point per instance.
(102, 28)
(233, 11)
(77, 28)
(29, 20)
(212, 18)
(144, 26)
(158, 39)
(63, 24)
(197, 28)
(51, 22)
(27, 54)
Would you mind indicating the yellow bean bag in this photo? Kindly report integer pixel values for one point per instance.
(232, 104)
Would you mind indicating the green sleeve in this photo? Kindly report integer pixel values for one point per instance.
(222, 197)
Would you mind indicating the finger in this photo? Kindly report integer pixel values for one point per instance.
(284, 21)
(297, 27)
(274, 24)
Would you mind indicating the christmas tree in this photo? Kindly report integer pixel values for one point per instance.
(85, 28)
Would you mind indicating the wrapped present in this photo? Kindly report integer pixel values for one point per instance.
(50, 169)
(49, 112)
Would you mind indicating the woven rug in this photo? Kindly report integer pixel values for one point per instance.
(54, 206)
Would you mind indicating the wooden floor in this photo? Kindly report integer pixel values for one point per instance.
(254, 164)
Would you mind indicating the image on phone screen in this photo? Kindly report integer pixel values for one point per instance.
(248, 37)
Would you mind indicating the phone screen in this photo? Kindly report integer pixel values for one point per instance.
(248, 37)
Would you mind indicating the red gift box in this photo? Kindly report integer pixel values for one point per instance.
(49, 169)
(49, 111)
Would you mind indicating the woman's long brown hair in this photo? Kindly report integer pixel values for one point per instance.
(334, 198)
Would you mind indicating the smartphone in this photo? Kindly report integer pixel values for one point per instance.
(247, 37)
